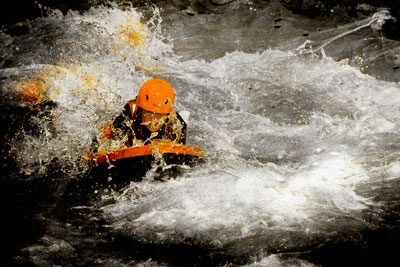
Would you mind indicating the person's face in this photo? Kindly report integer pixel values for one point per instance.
(153, 121)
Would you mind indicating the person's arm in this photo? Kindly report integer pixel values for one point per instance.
(121, 124)
(124, 119)
(182, 135)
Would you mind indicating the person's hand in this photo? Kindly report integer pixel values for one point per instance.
(106, 129)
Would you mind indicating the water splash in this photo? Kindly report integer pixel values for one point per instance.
(92, 78)
(376, 22)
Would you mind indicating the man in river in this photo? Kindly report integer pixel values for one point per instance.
(150, 117)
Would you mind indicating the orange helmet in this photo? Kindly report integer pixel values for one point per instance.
(156, 95)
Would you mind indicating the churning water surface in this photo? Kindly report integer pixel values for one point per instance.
(302, 155)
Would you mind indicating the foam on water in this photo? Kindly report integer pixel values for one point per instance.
(245, 201)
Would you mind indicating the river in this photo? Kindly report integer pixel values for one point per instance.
(299, 118)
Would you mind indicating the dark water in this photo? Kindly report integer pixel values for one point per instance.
(297, 107)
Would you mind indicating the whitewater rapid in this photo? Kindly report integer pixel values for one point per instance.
(292, 142)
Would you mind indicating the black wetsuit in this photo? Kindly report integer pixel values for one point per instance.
(174, 129)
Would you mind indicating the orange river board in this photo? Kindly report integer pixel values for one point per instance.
(162, 148)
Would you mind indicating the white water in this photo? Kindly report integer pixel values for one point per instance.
(288, 139)
(263, 180)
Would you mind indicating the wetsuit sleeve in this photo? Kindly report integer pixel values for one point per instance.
(182, 137)
(176, 130)
(124, 121)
